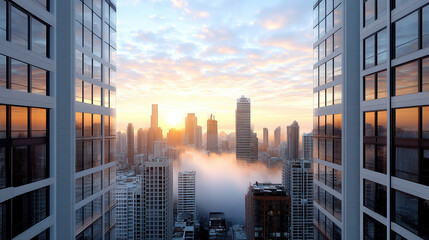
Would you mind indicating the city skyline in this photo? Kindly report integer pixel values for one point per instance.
(198, 42)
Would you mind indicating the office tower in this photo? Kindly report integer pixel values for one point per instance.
(159, 148)
(277, 136)
(157, 183)
(394, 119)
(174, 137)
(293, 141)
(141, 141)
(125, 209)
(155, 132)
(265, 139)
(130, 143)
(217, 226)
(190, 124)
(198, 138)
(186, 194)
(307, 146)
(336, 107)
(212, 136)
(254, 147)
(267, 212)
(45, 124)
(242, 129)
(300, 189)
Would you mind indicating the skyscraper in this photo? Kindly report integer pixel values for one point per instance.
(186, 194)
(198, 138)
(265, 139)
(157, 182)
(190, 124)
(54, 113)
(299, 187)
(254, 147)
(174, 137)
(141, 141)
(293, 141)
(243, 129)
(130, 143)
(154, 132)
(277, 136)
(307, 146)
(212, 136)
(267, 212)
(336, 49)
(394, 120)
(125, 210)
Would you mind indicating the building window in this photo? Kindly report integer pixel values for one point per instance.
(406, 35)
(373, 230)
(327, 135)
(375, 86)
(411, 212)
(375, 128)
(375, 196)
(410, 144)
(407, 78)
(375, 49)
(373, 9)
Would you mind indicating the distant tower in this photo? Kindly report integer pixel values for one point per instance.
(130, 143)
(186, 194)
(265, 139)
(212, 136)
(254, 147)
(141, 141)
(190, 124)
(307, 146)
(155, 132)
(277, 136)
(198, 137)
(293, 141)
(243, 129)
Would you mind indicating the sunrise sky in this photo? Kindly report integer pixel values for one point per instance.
(200, 56)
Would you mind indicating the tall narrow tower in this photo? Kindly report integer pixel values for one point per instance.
(130, 143)
(190, 124)
(212, 136)
(293, 141)
(186, 193)
(243, 129)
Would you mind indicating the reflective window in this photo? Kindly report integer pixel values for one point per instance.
(112, 18)
(329, 71)
(406, 164)
(425, 27)
(406, 78)
(369, 46)
(96, 46)
(381, 7)
(106, 98)
(87, 155)
(329, 21)
(369, 83)
(382, 84)
(406, 122)
(39, 37)
(78, 90)
(87, 66)
(382, 123)
(87, 92)
(39, 164)
(2, 24)
(97, 181)
(79, 124)
(112, 77)
(96, 94)
(19, 27)
(20, 166)
(322, 50)
(112, 38)
(425, 74)
(425, 123)
(112, 56)
(87, 186)
(373, 230)
(38, 122)
(337, 125)
(79, 63)
(87, 38)
(375, 197)
(39, 81)
(97, 6)
(337, 68)
(79, 156)
(19, 122)
(330, 45)
(329, 96)
(406, 211)
(87, 15)
(87, 124)
(369, 124)
(79, 11)
(3, 71)
(2, 121)
(382, 41)
(96, 68)
(369, 157)
(78, 193)
(406, 35)
(96, 123)
(338, 39)
(96, 25)
(369, 11)
(78, 33)
(96, 153)
(322, 98)
(106, 78)
(338, 14)
(321, 74)
(19, 75)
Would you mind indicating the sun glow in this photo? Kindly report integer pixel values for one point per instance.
(173, 119)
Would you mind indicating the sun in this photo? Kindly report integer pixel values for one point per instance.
(173, 119)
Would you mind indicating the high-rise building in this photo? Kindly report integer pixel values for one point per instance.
(267, 212)
(292, 141)
(186, 194)
(56, 109)
(277, 136)
(198, 138)
(243, 129)
(217, 226)
(299, 187)
(155, 132)
(394, 121)
(174, 137)
(212, 136)
(141, 141)
(125, 210)
(157, 183)
(336, 106)
(254, 147)
(130, 143)
(265, 139)
(307, 146)
(190, 124)
(159, 148)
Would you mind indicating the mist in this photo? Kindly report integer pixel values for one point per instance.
(222, 182)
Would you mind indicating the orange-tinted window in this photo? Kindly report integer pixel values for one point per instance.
(19, 122)
(406, 122)
(38, 122)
